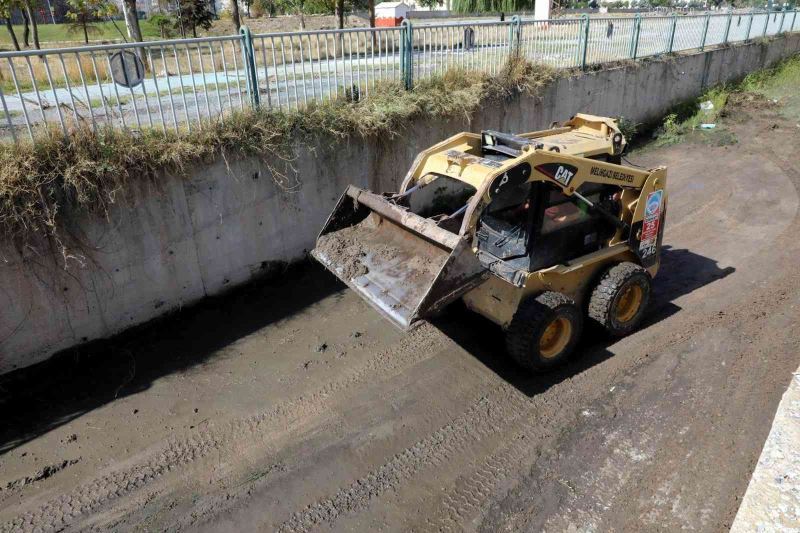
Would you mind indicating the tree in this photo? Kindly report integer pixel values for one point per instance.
(6, 7)
(83, 13)
(28, 6)
(132, 21)
(371, 9)
(296, 7)
(192, 14)
(340, 14)
(235, 15)
(26, 27)
(491, 6)
(164, 23)
(263, 6)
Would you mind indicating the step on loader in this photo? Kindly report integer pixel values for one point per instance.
(538, 232)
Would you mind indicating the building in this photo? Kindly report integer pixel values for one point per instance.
(391, 13)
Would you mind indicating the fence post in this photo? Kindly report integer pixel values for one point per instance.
(637, 22)
(783, 18)
(672, 33)
(585, 36)
(406, 54)
(705, 32)
(514, 34)
(766, 25)
(793, 18)
(750, 24)
(728, 27)
(248, 57)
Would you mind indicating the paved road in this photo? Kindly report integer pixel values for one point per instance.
(293, 407)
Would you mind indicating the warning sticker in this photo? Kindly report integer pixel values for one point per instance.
(652, 216)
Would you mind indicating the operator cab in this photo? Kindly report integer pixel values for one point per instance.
(533, 225)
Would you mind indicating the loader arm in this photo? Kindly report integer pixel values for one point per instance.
(587, 170)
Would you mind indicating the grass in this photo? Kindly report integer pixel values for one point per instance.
(61, 33)
(779, 82)
(47, 184)
(687, 118)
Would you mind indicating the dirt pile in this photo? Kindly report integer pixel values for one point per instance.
(348, 248)
(345, 249)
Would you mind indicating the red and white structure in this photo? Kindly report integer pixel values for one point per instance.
(391, 14)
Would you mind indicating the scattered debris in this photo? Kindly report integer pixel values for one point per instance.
(44, 473)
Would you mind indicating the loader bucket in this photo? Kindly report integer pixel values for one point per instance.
(402, 264)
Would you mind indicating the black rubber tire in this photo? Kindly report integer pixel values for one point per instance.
(611, 286)
(529, 323)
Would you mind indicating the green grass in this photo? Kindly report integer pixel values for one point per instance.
(687, 118)
(60, 33)
(778, 83)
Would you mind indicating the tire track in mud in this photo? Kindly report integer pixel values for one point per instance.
(453, 439)
(510, 421)
(473, 491)
(483, 424)
(482, 420)
(420, 344)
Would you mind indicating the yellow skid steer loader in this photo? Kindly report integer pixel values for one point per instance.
(536, 232)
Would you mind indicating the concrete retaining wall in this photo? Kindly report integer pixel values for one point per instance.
(230, 221)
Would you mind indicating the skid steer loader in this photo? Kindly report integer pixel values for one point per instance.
(537, 232)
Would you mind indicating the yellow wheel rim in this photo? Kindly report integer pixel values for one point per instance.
(628, 303)
(555, 337)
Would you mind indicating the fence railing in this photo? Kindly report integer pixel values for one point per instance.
(182, 84)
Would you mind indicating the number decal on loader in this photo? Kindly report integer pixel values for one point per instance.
(652, 216)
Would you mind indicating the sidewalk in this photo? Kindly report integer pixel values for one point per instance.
(772, 500)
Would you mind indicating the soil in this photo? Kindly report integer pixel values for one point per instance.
(347, 249)
(292, 406)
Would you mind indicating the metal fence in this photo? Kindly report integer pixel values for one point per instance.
(182, 84)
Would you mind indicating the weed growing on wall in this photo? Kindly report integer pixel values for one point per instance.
(46, 184)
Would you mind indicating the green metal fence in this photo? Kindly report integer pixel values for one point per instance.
(191, 81)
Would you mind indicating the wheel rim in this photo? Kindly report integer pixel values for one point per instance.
(628, 303)
(555, 337)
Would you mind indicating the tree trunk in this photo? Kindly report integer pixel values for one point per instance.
(194, 32)
(10, 28)
(371, 8)
(26, 29)
(180, 20)
(302, 19)
(235, 15)
(132, 20)
(34, 24)
(340, 14)
(134, 31)
(85, 33)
